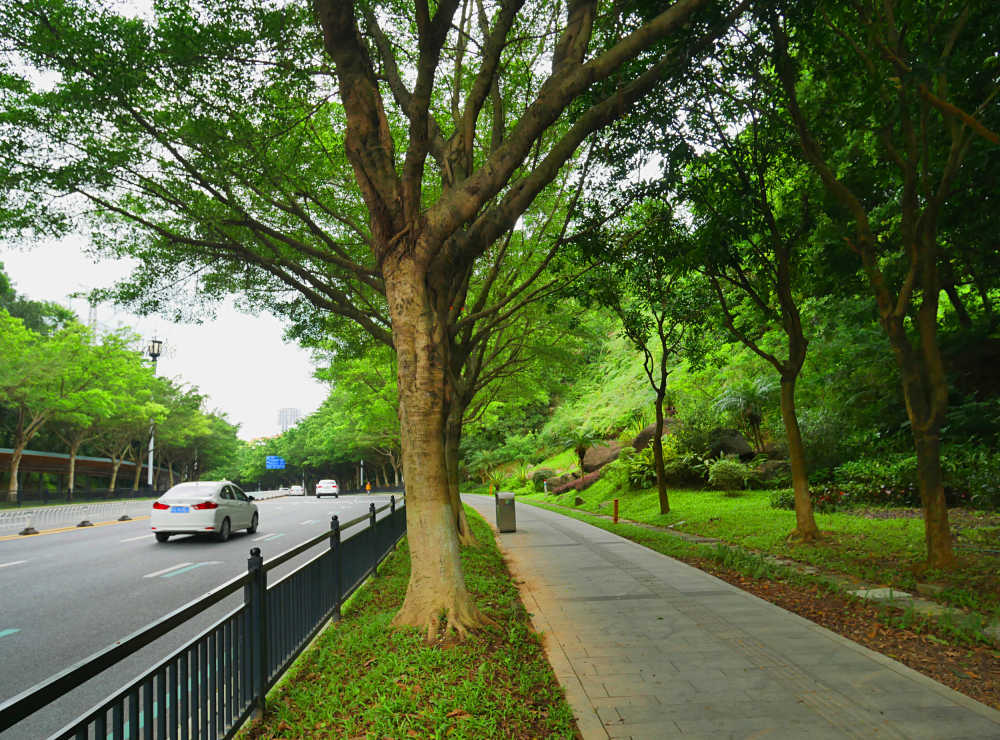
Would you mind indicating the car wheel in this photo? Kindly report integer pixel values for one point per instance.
(162, 536)
(252, 529)
(223, 533)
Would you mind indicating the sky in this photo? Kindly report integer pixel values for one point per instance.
(240, 362)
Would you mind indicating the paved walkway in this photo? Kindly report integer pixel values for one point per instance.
(648, 647)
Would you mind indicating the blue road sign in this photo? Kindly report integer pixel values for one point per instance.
(273, 462)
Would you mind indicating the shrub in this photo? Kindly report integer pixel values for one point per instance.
(616, 473)
(641, 470)
(825, 499)
(539, 477)
(728, 474)
(972, 476)
(783, 499)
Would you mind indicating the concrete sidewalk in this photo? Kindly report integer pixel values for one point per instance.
(648, 647)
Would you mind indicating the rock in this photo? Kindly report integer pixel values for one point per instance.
(993, 631)
(561, 480)
(577, 501)
(882, 594)
(643, 438)
(600, 455)
(929, 589)
(771, 468)
(730, 442)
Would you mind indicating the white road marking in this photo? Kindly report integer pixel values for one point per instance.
(13, 562)
(165, 570)
(309, 521)
(140, 537)
(178, 571)
(266, 537)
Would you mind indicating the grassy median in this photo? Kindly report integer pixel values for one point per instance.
(363, 679)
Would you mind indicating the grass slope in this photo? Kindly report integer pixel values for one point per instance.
(364, 679)
(874, 546)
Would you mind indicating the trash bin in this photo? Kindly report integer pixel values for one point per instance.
(505, 512)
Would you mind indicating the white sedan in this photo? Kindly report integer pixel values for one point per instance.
(327, 487)
(198, 507)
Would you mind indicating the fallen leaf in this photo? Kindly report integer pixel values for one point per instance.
(458, 713)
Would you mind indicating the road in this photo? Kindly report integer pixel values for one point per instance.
(66, 595)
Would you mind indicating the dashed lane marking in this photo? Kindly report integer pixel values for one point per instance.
(165, 570)
(309, 521)
(140, 537)
(4, 633)
(173, 573)
(12, 562)
(268, 537)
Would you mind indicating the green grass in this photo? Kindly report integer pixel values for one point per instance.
(362, 678)
(887, 552)
(563, 461)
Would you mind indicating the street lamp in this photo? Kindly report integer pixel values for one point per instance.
(153, 350)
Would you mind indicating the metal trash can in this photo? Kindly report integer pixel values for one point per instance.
(505, 512)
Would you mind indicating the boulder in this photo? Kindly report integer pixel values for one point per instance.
(772, 468)
(643, 438)
(560, 481)
(730, 442)
(600, 455)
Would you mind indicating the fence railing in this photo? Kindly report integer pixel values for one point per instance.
(30, 521)
(214, 683)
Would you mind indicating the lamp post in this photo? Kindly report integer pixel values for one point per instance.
(153, 350)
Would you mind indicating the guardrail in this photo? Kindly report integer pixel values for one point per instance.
(29, 521)
(214, 683)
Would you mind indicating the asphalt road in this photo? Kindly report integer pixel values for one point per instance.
(66, 595)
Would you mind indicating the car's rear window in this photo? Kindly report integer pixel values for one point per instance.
(326, 483)
(185, 490)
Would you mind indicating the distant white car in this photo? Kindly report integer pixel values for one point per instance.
(199, 507)
(296, 491)
(327, 488)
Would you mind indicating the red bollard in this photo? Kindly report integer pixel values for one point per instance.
(616, 512)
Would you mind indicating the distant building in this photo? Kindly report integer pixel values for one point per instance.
(287, 418)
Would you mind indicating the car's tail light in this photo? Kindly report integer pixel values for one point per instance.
(159, 505)
(206, 505)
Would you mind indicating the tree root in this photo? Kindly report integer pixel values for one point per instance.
(458, 620)
(468, 539)
(805, 537)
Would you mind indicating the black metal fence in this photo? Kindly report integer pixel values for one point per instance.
(214, 683)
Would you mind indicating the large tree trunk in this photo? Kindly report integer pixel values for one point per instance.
(15, 464)
(661, 475)
(805, 523)
(117, 463)
(926, 394)
(452, 441)
(72, 469)
(437, 583)
(138, 472)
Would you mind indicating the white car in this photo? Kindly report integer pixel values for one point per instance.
(327, 488)
(198, 507)
(296, 491)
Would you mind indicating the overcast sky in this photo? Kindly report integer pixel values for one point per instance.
(240, 362)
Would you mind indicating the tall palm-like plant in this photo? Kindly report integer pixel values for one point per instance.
(745, 403)
(580, 439)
